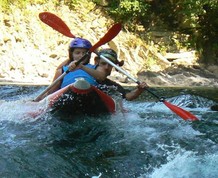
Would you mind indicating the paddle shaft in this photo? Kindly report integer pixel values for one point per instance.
(38, 98)
(128, 75)
(179, 111)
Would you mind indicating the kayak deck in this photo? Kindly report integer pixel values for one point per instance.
(81, 98)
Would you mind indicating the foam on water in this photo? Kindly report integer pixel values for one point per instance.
(186, 164)
(148, 141)
(20, 110)
(196, 105)
(165, 135)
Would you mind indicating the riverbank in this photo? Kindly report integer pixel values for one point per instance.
(162, 91)
(31, 51)
(179, 76)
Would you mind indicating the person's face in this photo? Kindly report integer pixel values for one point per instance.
(105, 66)
(78, 53)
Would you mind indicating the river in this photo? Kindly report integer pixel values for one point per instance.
(148, 141)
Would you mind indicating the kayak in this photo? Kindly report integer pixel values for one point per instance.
(81, 98)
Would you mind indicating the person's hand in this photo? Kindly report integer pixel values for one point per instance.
(142, 86)
(72, 66)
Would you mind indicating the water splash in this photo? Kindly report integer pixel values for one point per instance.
(191, 101)
(148, 141)
(187, 164)
(21, 110)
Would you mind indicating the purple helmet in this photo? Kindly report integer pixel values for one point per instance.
(80, 43)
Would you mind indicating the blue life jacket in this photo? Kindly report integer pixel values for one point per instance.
(79, 73)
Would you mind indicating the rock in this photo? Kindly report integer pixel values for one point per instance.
(214, 107)
(53, 55)
(213, 69)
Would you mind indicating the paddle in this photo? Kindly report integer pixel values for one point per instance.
(179, 111)
(59, 25)
(54, 23)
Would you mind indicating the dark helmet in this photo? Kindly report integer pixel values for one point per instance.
(111, 55)
(79, 43)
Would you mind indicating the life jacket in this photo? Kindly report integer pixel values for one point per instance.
(78, 73)
(107, 84)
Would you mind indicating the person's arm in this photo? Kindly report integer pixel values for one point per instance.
(135, 93)
(99, 75)
(59, 72)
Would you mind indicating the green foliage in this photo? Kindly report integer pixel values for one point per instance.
(6, 4)
(197, 19)
(129, 12)
(77, 4)
(71, 3)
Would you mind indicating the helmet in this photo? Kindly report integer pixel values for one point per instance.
(80, 43)
(111, 55)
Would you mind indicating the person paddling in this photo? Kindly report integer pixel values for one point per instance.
(95, 74)
(101, 65)
(77, 49)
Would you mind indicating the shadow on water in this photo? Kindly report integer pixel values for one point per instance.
(148, 141)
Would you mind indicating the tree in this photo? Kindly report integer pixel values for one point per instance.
(197, 18)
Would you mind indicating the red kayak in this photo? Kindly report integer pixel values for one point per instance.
(81, 98)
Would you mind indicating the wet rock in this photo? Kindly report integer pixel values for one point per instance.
(214, 107)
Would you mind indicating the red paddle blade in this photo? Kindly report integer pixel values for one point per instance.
(112, 32)
(56, 23)
(181, 112)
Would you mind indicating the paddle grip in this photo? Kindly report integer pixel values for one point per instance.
(82, 58)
